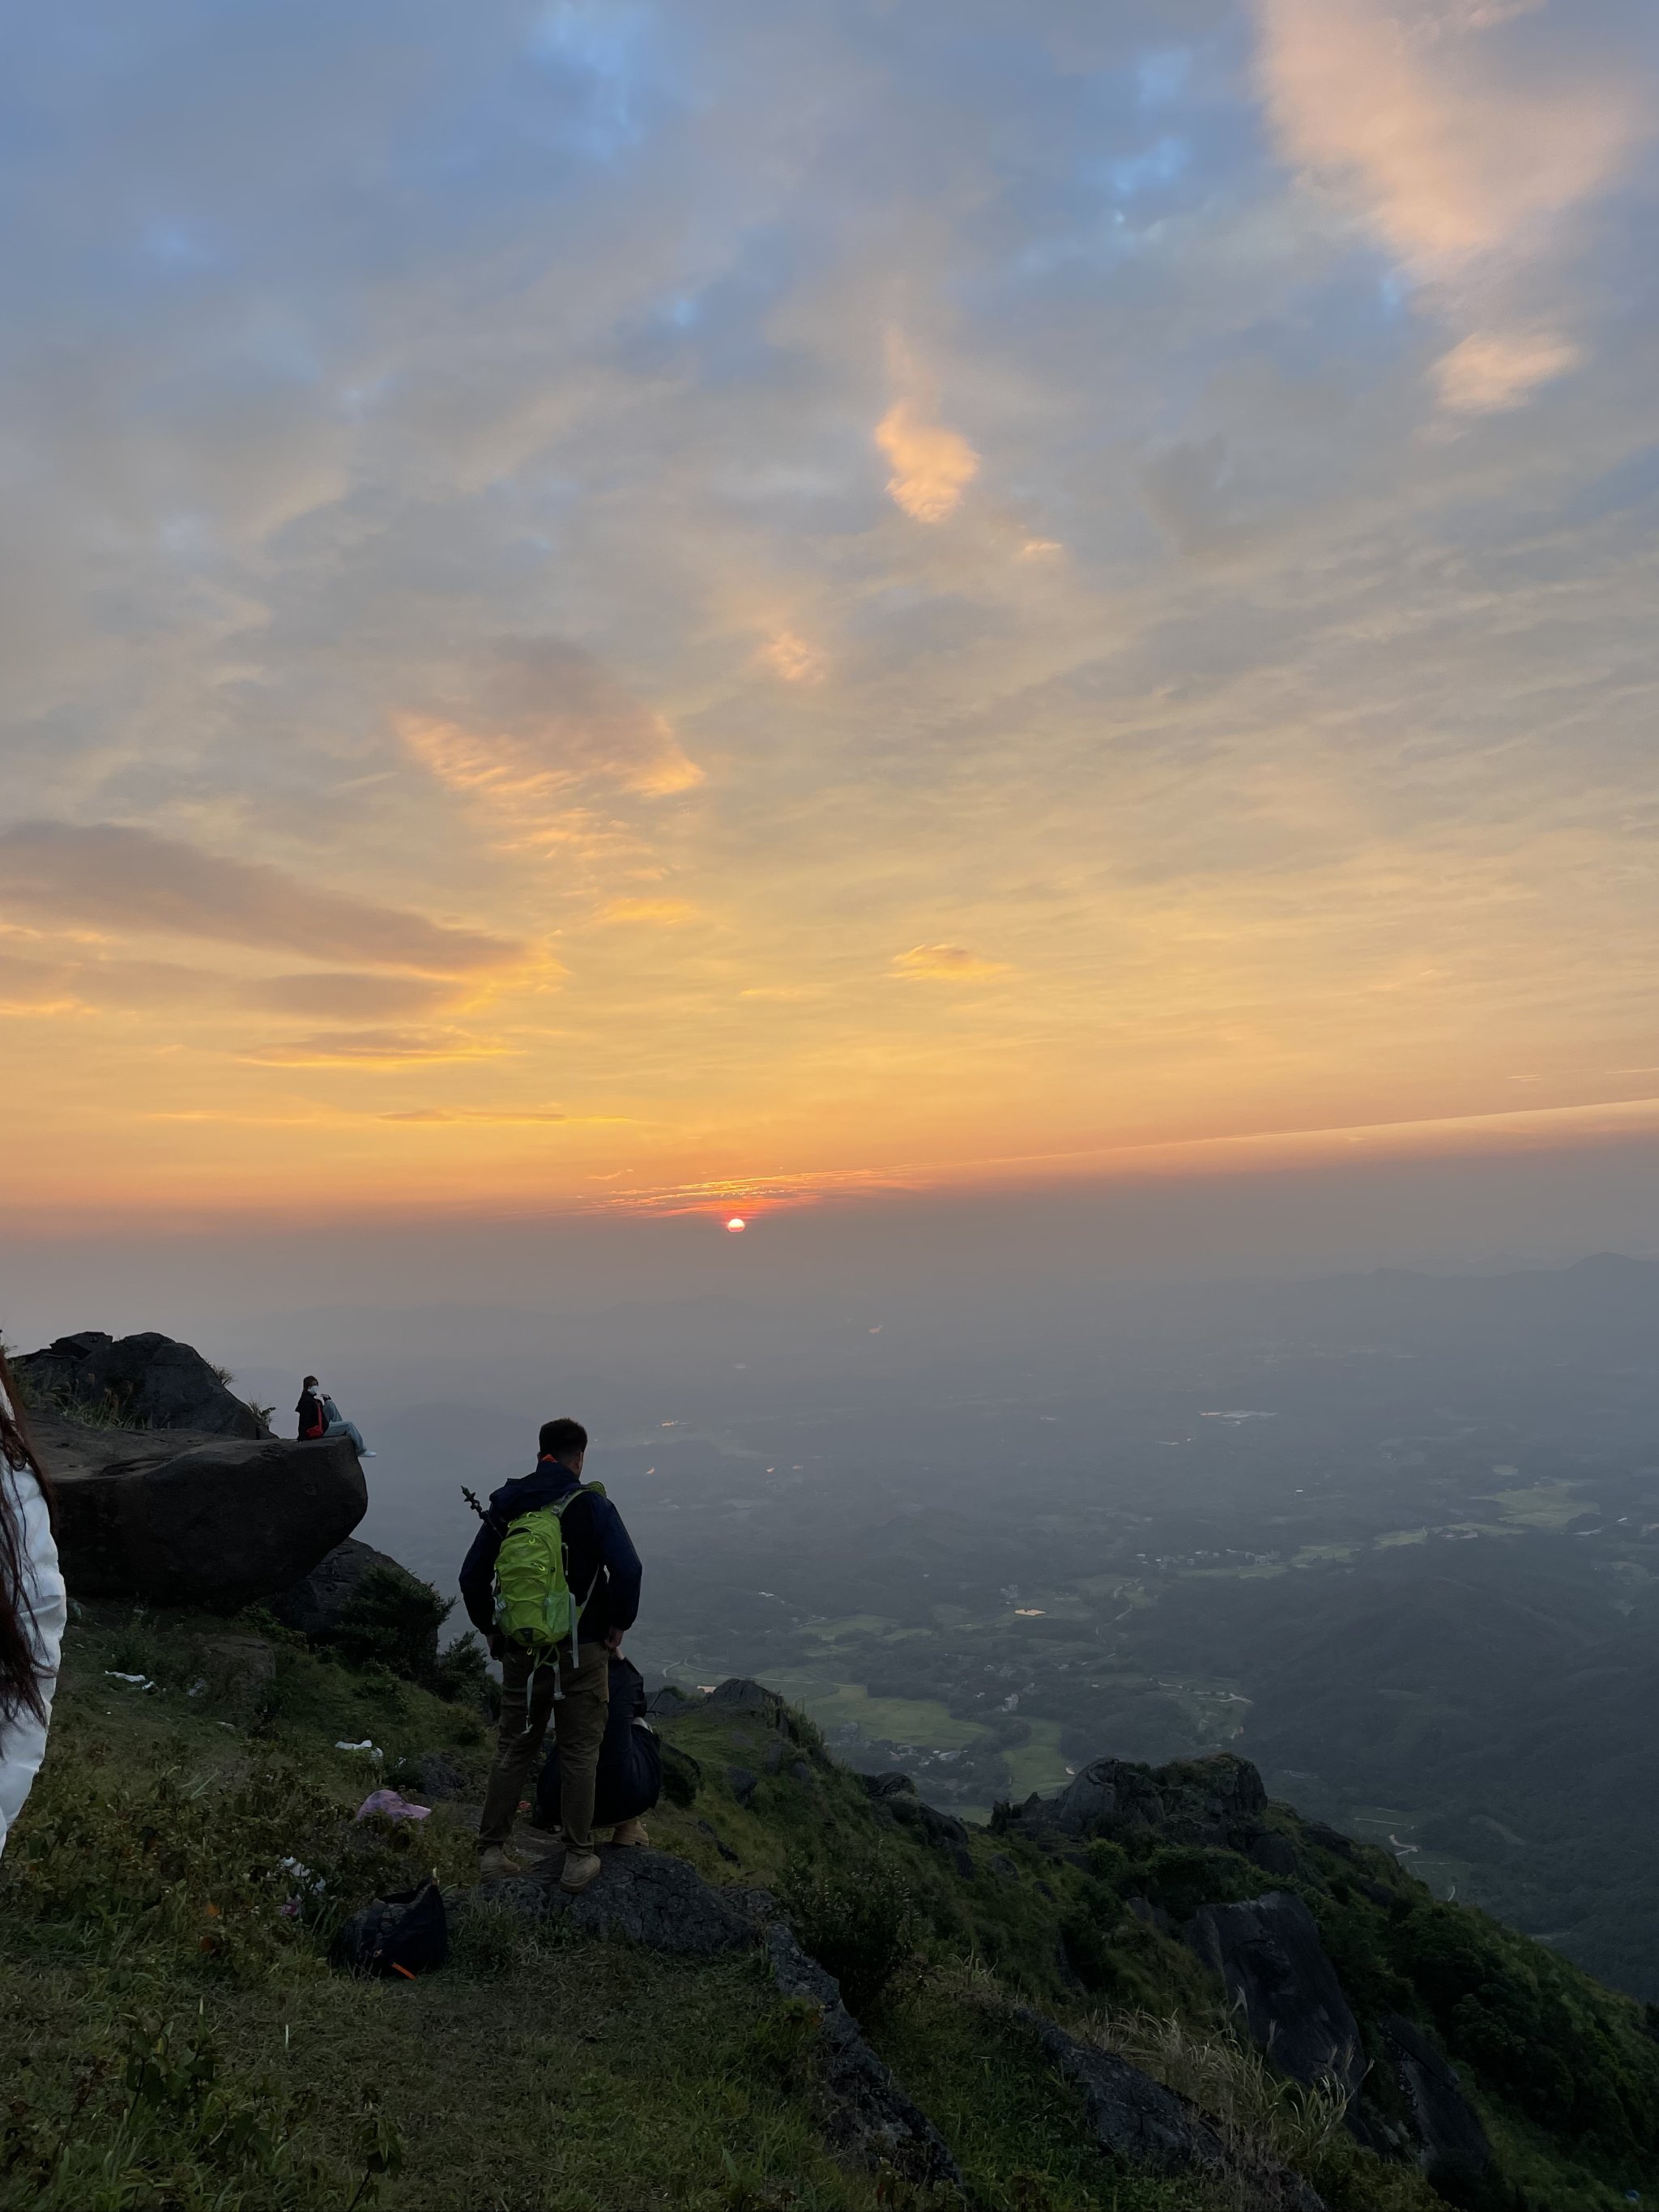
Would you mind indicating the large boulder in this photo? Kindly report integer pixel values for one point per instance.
(151, 1380)
(1278, 1977)
(319, 1604)
(172, 1518)
(1452, 2146)
(1217, 1800)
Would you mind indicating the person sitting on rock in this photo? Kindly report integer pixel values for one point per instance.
(320, 1417)
(33, 1608)
(602, 1570)
(628, 1780)
(312, 1419)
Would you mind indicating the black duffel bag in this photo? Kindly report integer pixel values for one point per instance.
(629, 1779)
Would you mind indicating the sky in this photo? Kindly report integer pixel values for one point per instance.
(626, 608)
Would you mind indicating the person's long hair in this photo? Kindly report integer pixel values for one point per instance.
(19, 1674)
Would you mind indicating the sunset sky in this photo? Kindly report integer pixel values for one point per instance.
(615, 605)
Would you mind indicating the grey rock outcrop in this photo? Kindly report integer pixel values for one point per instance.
(175, 1519)
(1218, 1801)
(320, 1602)
(1280, 1981)
(1136, 2119)
(669, 1701)
(1132, 2116)
(739, 1695)
(895, 1794)
(1453, 2150)
(148, 1378)
(437, 1779)
(654, 1899)
(865, 2115)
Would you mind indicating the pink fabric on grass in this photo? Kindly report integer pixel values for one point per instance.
(394, 1806)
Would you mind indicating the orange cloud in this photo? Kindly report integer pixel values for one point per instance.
(440, 1117)
(373, 1047)
(540, 722)
(664, 913)
(946, 964)
(932, 466)
(1491, 371)
(793, 659)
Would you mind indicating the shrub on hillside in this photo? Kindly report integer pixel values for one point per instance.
(1573, 2057)
(859, 1923)
(394, 1620)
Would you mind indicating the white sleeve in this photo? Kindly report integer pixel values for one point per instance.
(23, 1738)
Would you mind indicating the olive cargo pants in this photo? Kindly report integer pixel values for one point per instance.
(526, 1708)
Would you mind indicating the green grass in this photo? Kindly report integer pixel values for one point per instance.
(1036, 1764)
(1550, 1505)
(922, 1721)
(578, 2080)
(1019, 2135)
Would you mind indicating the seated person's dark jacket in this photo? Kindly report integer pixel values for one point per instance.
(598, 1553)
(629, 1778)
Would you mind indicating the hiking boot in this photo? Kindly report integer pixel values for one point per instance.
(494, 1864)
(579, 1868)
(630, 1834)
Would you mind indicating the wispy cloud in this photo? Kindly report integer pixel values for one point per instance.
(946, 963)
(651, 912)
(1491, 370)
(438, 1115)
(373, 1048)
(132, 882)
(932, 465)
(543, 723)
(793, 659)
(1462, 151)
(347, 997)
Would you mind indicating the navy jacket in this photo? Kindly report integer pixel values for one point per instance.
(600, 1555)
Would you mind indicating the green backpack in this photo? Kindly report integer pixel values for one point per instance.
(536, 1607)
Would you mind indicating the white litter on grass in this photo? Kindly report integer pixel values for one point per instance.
(196, 1690)
(373, 1749)
(138, 1681)
(312, 1884)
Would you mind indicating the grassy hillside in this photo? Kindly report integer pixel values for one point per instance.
(172, 2036)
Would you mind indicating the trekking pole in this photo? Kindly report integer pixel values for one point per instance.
(471, 1497)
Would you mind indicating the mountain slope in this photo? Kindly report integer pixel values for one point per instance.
(177, 2038)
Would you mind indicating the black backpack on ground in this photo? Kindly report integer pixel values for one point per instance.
(397, 1937)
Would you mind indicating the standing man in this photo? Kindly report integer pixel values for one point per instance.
(603, 1571)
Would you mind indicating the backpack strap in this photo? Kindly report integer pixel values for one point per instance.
(582, 1490)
